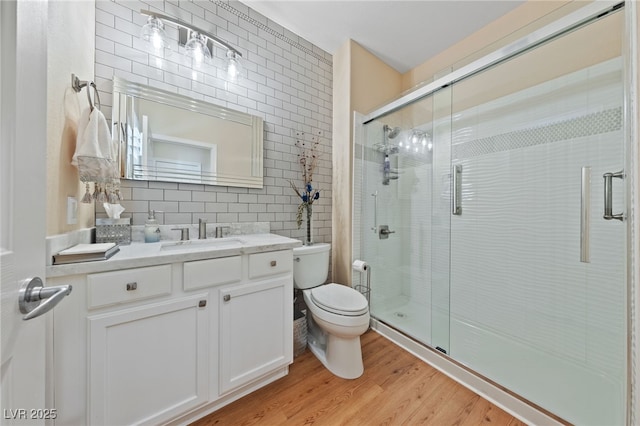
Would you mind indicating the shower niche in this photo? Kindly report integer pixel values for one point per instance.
(481, 182)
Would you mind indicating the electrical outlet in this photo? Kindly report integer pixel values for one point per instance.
(72, 210)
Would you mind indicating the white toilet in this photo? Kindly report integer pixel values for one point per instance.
(339, 315)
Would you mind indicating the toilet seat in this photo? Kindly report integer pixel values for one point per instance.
(339, 299)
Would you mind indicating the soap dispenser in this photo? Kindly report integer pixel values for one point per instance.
(151, 229)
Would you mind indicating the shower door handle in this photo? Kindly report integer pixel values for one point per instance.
(608, 195)
(585, 214)
(456, 173)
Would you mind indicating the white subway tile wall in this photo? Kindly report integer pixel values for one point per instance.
(287, 82)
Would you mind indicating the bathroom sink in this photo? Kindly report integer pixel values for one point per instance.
(138, 250)
(202, 244)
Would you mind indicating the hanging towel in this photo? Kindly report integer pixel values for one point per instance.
(96, 154)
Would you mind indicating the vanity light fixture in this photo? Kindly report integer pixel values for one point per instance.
(234, 67)
(197, 48)
(153, 33)
(198, 43)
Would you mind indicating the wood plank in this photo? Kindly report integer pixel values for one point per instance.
(396, 388)
(401, 398)
(485, 413)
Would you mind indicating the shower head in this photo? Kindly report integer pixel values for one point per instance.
(391, 132)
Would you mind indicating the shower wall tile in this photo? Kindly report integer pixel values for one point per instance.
(591, 124)
(288, 83)
(553, 111)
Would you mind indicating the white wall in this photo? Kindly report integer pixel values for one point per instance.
(288, 84)
(70, 47)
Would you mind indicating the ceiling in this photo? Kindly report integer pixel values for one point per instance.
(402, 33)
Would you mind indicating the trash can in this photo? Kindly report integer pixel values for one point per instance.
(299, 333)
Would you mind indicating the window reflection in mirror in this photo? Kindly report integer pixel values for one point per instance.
(173, 138)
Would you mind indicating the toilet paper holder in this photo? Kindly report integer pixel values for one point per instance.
(364, 289)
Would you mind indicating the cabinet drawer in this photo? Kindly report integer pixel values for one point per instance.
(212, 272)
(270, 263)
(129, 285)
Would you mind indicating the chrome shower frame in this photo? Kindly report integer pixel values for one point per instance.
(571, 21)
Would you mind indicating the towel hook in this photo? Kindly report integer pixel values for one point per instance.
(78, 85)
(96, 96)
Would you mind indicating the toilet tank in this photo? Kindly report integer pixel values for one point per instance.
(310, 265)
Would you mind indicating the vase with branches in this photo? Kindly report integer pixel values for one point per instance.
(308, 157)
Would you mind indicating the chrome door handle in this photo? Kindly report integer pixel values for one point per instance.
(585, 214)
(456, 208)
(608, 195)
(32, 292)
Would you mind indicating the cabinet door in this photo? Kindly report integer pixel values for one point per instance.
(256, 330)
(148, 364)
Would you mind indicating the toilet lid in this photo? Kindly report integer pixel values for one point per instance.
(339, 299)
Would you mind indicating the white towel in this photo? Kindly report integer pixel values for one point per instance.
(96, 154)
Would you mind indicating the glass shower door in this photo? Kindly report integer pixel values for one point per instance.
(397, 198)
(538, 284)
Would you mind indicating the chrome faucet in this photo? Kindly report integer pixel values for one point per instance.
(220, 231)
(184, 233)
(202, 229)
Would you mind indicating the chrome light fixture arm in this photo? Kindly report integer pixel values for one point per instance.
(190, 27)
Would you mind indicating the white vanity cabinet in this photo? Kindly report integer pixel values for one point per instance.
(127, 351)
(169, 343)
(255, 334)
(148, 364)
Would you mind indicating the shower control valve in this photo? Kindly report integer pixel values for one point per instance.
(383, 232)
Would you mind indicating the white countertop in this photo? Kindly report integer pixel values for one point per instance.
(138, 255)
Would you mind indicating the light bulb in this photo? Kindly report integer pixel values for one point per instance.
(196, 48)
(156, 41)
(234, 67)
(153, 33)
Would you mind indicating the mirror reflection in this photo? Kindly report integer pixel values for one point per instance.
(173, 138)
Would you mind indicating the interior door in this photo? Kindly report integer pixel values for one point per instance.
(23, 136)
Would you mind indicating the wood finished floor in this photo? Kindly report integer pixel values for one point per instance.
(396, 389)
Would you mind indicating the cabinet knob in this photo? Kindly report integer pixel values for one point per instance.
(226, 297)
(132, 286)
(202, 303)
(273, 263)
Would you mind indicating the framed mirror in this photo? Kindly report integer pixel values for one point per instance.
(173, 138)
